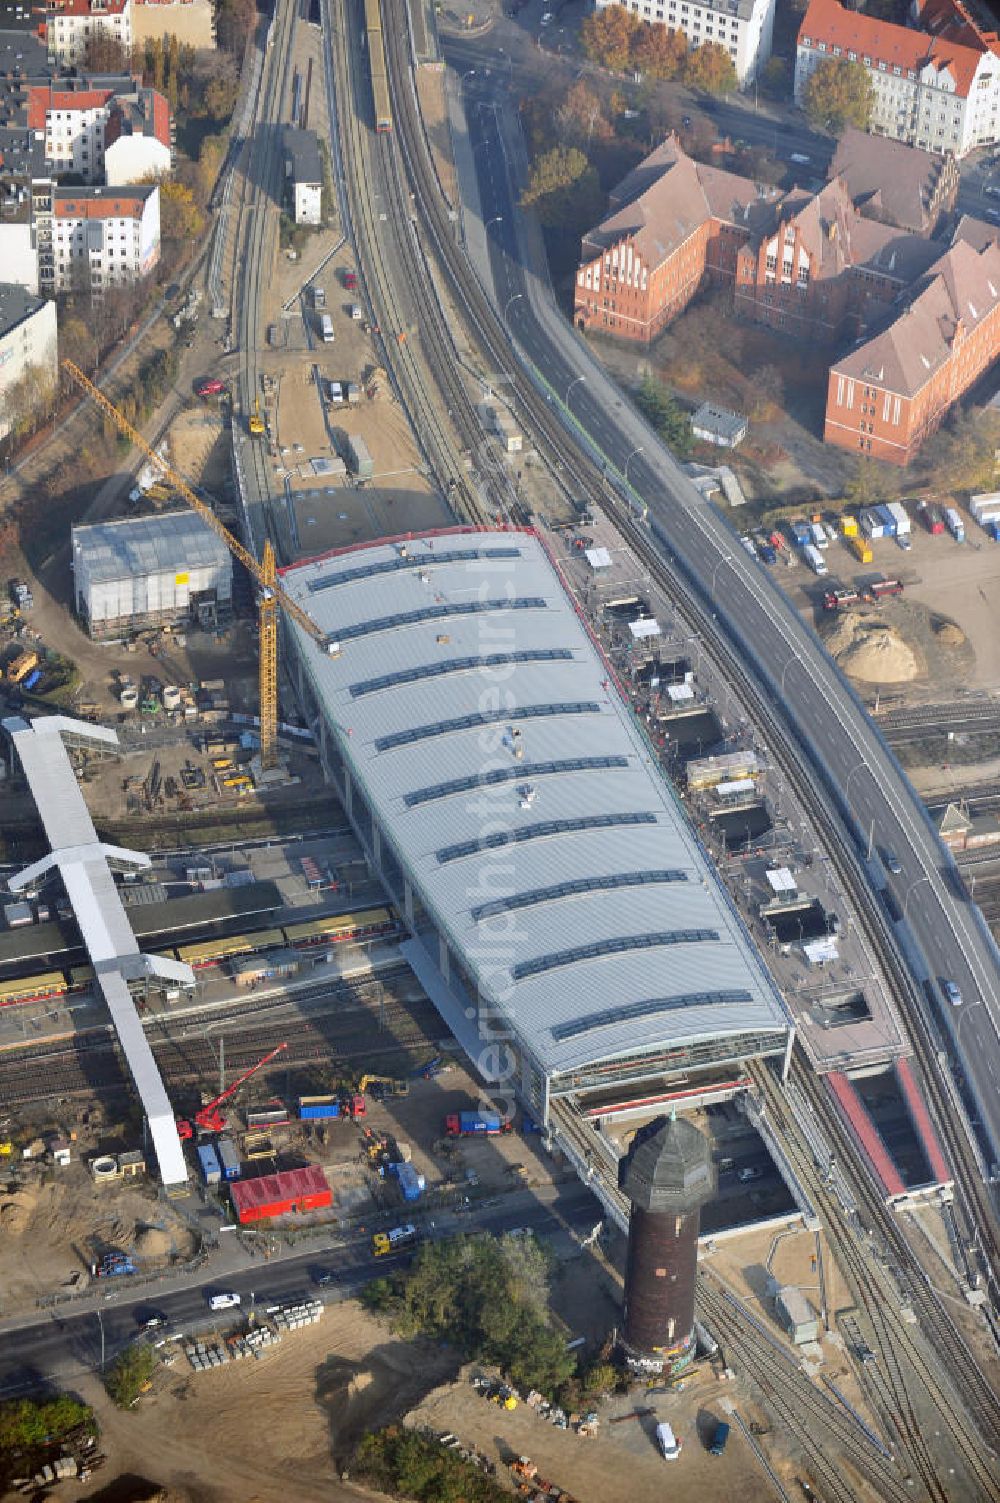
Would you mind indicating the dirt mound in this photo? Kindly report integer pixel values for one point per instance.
(948, 633)
(360, 1396)
(153, 1242)
(869, 650)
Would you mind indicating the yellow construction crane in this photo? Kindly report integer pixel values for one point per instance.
(265, 573)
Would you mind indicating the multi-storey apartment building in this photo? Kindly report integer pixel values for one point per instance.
(104, 129)
(99, 238)
(27, 343)
(936, 84)
(890, 393)
(69, 25)
(743, 27)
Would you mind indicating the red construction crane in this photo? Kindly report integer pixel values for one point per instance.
(210, 1119)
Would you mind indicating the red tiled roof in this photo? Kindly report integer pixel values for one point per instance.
(42, 98)
(118, 206)
(85, 8)
(882, 42)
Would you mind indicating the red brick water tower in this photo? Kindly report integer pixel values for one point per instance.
(667, 1175)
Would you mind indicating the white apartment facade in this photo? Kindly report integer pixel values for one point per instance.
(28, 342)
(744, 28)
(100, 238)
(931, 91)
(70, 23)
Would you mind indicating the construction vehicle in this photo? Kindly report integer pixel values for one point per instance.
(255, 422)
(264, 572)
(6, 1148)
(399, 1239)
(19, 668)
(113, 1265)
(209, 1118)
(383, 1085)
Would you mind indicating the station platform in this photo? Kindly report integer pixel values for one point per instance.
(866, 1135)
(924, 1128)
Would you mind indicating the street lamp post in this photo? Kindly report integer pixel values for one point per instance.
(510, 303)
(497, 219)
(630, 458)
(725, 559)
(575, 382)
(909, 892)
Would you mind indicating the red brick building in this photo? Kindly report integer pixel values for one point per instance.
(809, 263)
(890, 393)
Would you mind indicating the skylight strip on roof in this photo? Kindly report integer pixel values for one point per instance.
(618, 944)
(498, 775)
(459, 665)
(541, 831)
(442, 611)
(484, 717)
(422, 560)
(649, 1008)
(574, 889)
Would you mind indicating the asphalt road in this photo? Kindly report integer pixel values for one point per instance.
(943, 936)
(58, 1347)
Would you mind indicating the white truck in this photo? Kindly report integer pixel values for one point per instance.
(326, 328)
(814, 559)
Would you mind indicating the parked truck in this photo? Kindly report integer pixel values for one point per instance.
(326, 328)
(397, 1240)
(814, 558)
(801, 532)
(954, 524)
(476, 1124)
(331, 1108)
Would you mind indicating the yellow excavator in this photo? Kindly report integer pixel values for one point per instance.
(256, 422)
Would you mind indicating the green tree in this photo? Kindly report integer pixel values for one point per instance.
(564, 189)
(607, 35)
(658, 52)
(129, 1374)
(775, 78)
(710, 69)
(666, 415)
(210, 159)
(838, 94)
(864, 487)
(235, 20)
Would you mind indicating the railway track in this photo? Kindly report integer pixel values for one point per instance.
(580, 477)
(355, 1023)
(817, 1424)
(909, 1371)
(413, 334)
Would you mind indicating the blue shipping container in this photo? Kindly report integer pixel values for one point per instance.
(229, 1159)
(208, 1159)
(34, 677)
(479, 1122)
(888, 521)
(318, 1108)
(411, 1183)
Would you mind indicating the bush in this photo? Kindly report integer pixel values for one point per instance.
(666, 415)
(416, 1465)
(130, 1374)
(485, 1296)
(31, 1430)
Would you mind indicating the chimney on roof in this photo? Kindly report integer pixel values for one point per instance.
(831, 230)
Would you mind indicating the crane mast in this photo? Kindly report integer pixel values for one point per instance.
(264, 572)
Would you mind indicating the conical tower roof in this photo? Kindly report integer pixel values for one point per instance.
(668, 1167)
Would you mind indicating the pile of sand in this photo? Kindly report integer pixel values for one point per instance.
(153, 1242)
(867, 649)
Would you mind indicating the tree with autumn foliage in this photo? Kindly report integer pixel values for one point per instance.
(710, 69)
(180, 216)
(565, 191)
(607, 35)
(658, 52)
(839, 93)
(580, 117)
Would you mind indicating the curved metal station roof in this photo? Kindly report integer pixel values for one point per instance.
(523, 799)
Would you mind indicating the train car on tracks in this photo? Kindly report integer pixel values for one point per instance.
(376, 66)
(33, 989)
(369, 923)
(211, 951)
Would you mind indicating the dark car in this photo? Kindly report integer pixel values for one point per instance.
(149, 1318)
(891, 861)
(323, 1277)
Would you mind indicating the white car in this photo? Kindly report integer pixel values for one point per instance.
(952, 992)
(223, 1301)
(335, 392)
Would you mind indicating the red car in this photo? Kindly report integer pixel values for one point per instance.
(212, 387)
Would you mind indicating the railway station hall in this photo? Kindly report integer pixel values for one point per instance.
(563, 915)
